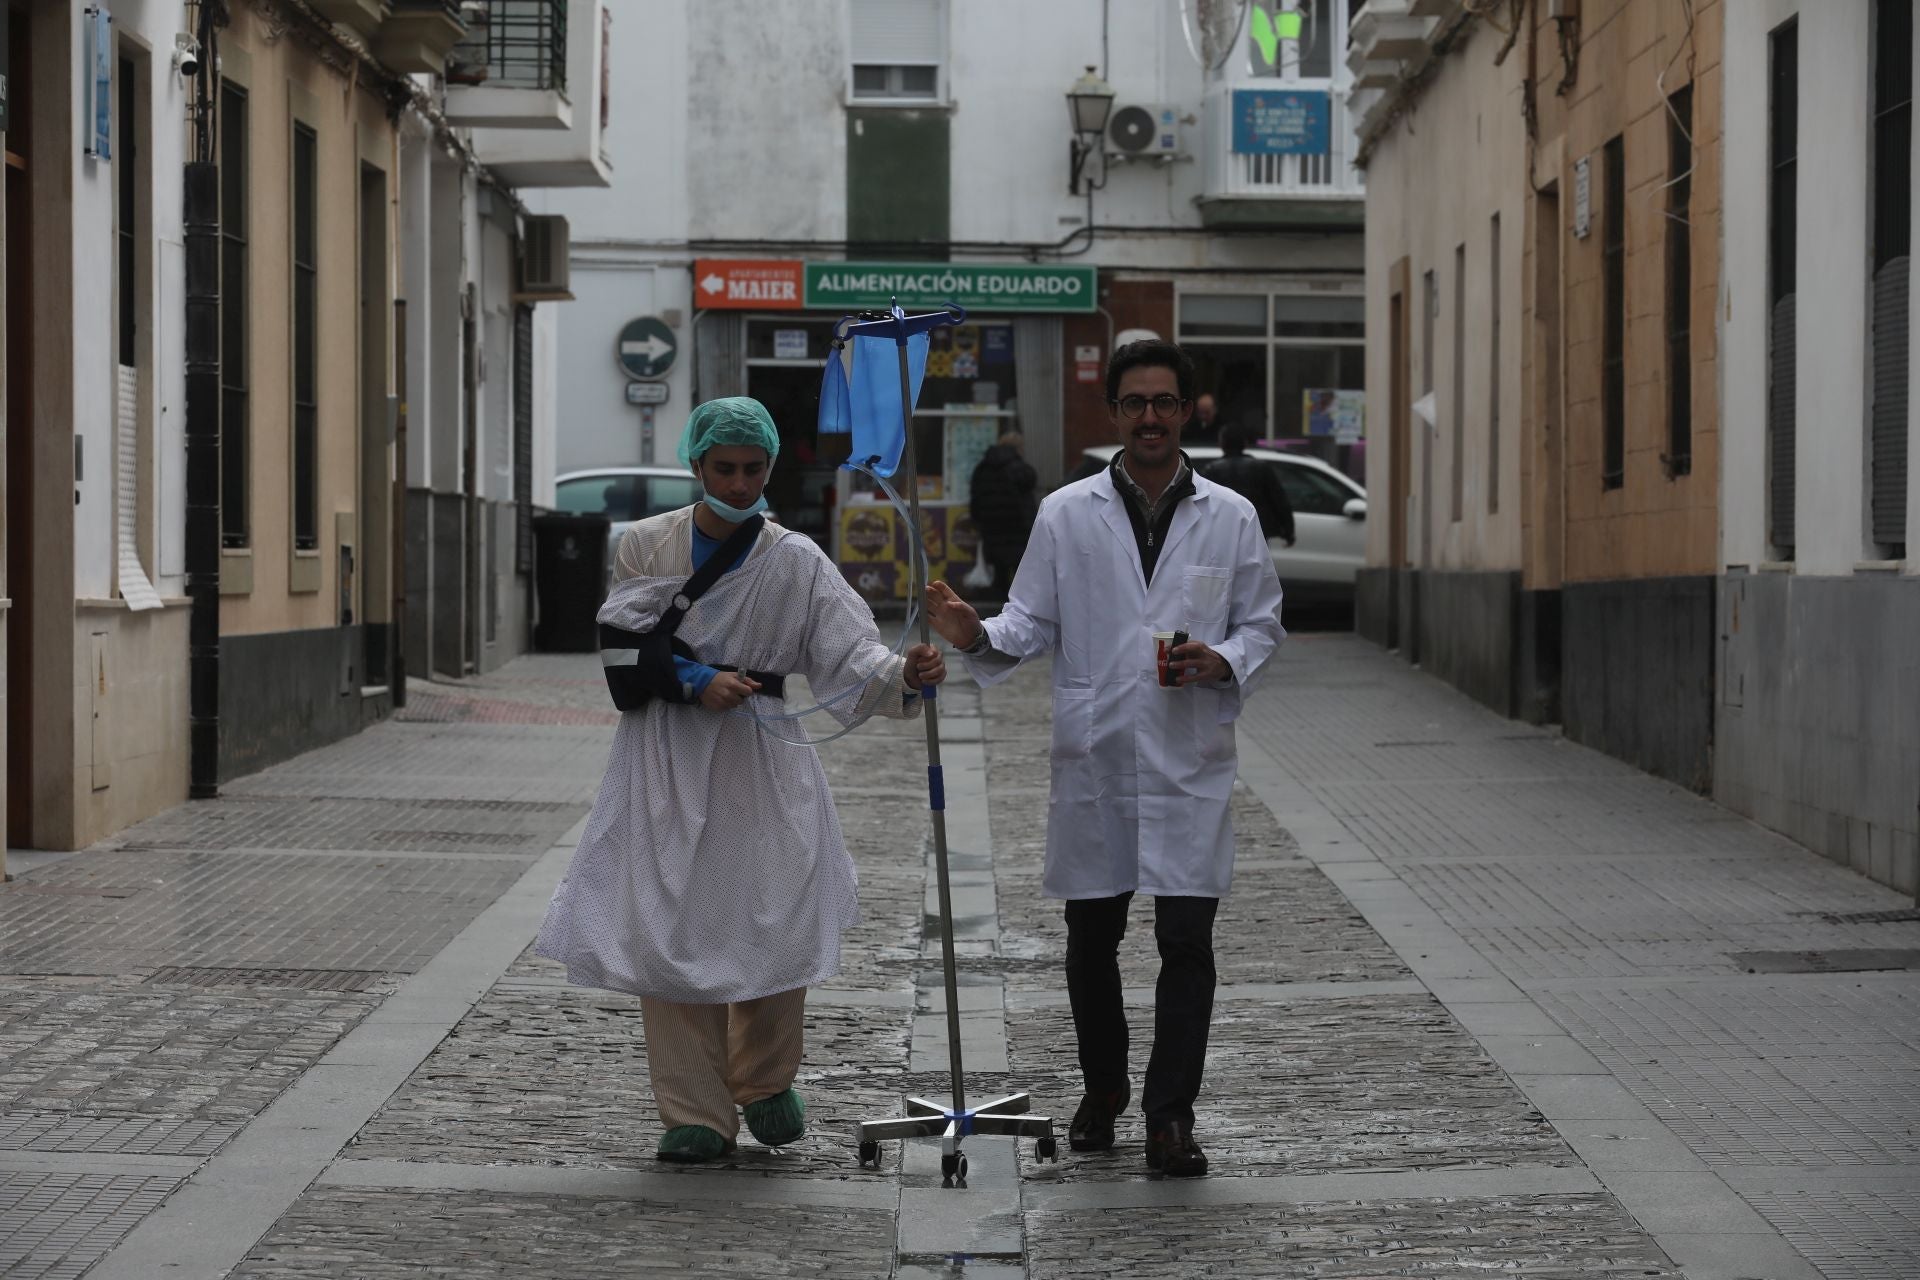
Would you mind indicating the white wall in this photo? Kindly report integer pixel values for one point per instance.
(95, 294)
(766, 138)
(730, 124)
(546, 394)
(1831, 408)
(1423, 201)
(597, 426)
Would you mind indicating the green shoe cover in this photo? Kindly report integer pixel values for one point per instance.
(692, 1144)
(778, 1120)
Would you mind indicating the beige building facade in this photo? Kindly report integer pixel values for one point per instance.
(1543, 266)
(307, 152)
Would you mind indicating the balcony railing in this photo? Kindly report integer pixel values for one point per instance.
(1327, 174)
(514, 44)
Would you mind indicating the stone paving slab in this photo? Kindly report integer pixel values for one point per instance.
(1566, 1237)
(1374, 1083)
(429, 824)
(1613, 916)
(110, 1053)
(53, 1226)
(378, 1235)
(544, 1075)
(1850, 1233)
(402, 760)
(1765, 1071)
(124, 912)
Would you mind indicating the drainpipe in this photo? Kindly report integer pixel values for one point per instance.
(202, 227)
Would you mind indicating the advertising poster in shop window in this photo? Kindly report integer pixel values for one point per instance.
(874, 548)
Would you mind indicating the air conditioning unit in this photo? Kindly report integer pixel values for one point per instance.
(544, 248)
(1142, 129)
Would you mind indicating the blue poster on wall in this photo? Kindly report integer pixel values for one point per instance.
(98, 84)
(1280, 122)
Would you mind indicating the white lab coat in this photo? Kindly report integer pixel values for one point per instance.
(1142, 775)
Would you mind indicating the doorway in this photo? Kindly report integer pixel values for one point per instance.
(1549, 412)
(373, 562)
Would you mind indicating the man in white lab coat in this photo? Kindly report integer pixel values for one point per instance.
(1142, 774)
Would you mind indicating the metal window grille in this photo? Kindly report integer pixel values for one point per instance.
(126, 180)
(1613, 375)
(521, 44)
(1680, 282)
(234, 515)
(306, 524)
(1892, 269)
(1783, 219)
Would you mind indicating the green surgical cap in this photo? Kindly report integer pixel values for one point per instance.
(728, 420)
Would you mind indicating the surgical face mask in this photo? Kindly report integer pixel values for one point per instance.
(732, 514)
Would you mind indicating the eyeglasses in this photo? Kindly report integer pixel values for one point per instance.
(1164, 406)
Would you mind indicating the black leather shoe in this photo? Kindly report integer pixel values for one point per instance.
(1172, 1151)
(1092, 1127)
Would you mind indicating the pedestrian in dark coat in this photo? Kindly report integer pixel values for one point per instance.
(1253, 479)
(1004, 502)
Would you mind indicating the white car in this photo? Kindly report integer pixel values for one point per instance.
(1329, 520)
(624, 495)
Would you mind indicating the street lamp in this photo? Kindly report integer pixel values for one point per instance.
(1088, 103)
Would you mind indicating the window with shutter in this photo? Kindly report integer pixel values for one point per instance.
(899, 47)
(1613, 331)
(1783, 224)
(1892, 270)
(1680, 282)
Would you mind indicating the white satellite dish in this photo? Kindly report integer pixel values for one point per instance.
(1212, 28)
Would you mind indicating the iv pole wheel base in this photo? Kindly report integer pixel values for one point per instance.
(953, 1170)
(869, 1155)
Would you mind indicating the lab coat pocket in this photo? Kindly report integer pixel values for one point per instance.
(1206, 593)
(1072, 723)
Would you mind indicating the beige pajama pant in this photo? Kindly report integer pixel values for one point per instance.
(707, 1060)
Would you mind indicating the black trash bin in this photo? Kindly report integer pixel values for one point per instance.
(570, 581)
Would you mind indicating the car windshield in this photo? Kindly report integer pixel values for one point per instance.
(1313, 493)
(623, 498)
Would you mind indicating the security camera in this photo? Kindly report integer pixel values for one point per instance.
(186, 55)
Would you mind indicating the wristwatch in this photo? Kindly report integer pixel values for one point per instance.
(979, 646)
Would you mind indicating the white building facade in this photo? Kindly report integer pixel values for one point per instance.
(929, 144)
(1818, 720)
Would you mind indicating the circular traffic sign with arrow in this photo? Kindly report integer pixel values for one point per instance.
(646, 348)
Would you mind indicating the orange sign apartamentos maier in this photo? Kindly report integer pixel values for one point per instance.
(758, 284)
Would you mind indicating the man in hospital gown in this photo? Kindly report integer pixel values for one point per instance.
(1142, 774)
(712, 880)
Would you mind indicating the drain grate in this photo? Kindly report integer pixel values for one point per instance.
(399, 839)
(1858, 960)
(31, 889)
(303, 979)
(1899, 915)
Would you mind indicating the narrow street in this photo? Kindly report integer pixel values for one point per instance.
(1489, 1002)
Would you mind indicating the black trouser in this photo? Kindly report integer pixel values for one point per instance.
(1182, 999)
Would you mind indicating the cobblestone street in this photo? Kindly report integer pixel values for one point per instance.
(1489, 1003)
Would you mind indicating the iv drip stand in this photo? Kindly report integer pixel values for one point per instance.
(1006, 1116)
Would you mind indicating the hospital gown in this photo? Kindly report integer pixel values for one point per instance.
(712, 868)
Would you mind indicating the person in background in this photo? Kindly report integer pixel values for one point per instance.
(1003, 499)
(1205, 427)
(1253, 479)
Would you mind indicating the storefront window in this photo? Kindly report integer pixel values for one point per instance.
(1267, 358)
